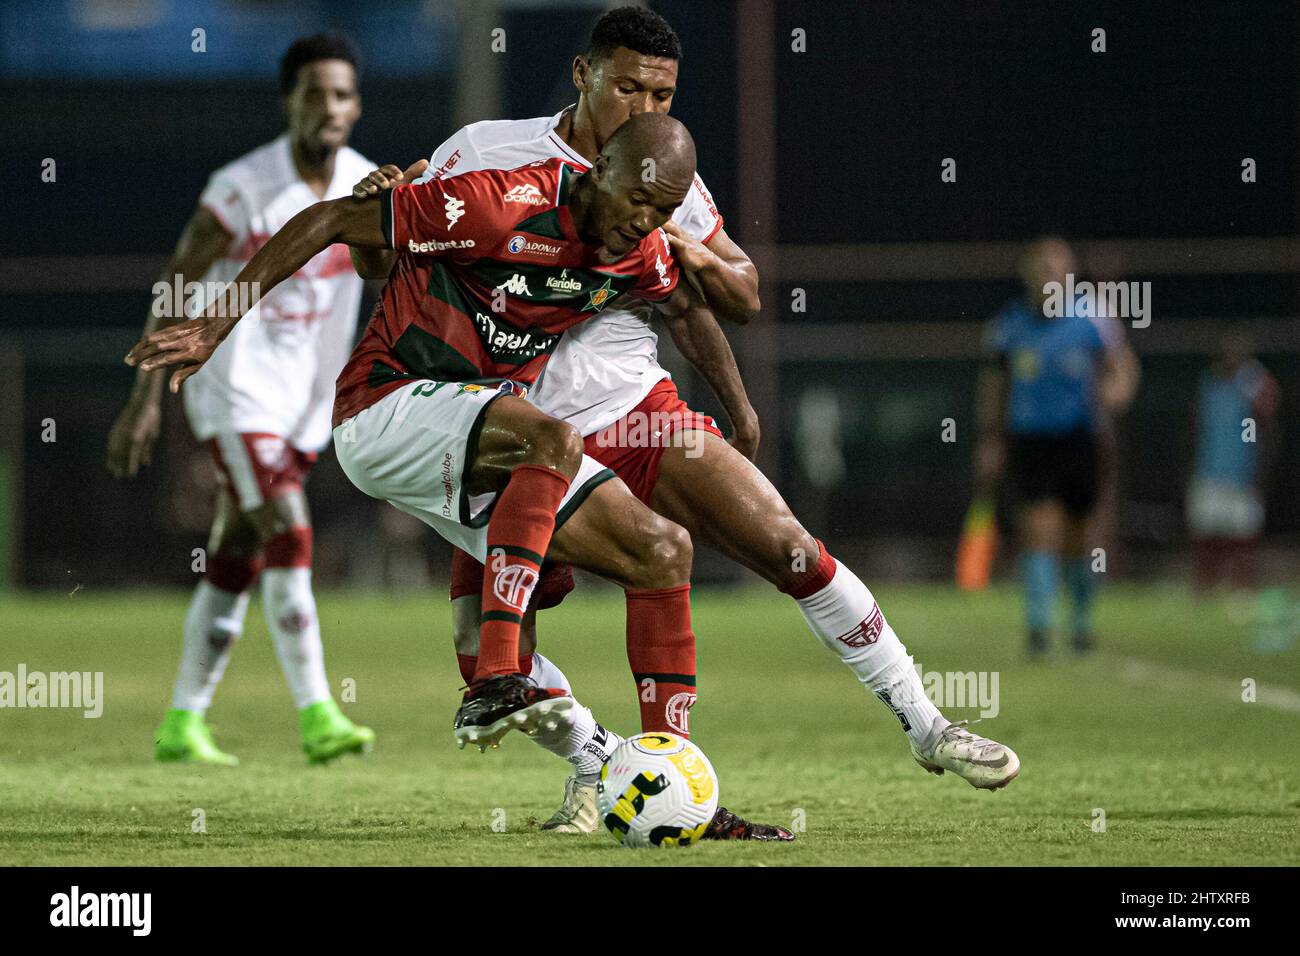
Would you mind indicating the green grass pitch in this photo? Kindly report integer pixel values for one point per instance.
(1152, 731)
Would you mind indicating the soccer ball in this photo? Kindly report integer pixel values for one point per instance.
(657, 790)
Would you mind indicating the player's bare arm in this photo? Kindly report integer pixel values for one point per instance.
(190, 344)
(698, 337)
(725, 276)
(377, 263)
(130, 441)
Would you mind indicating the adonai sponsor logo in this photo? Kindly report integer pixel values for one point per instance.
(519, 246)
(74, 908)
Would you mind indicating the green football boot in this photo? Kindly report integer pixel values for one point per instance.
(327, 734)
(184, 737)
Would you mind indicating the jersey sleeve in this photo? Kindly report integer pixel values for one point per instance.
(224, 199)
(698, 214)
(457, 150)
(659, 270)
(440, 215)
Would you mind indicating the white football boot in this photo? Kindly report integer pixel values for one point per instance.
(983, 763)
(577, 814)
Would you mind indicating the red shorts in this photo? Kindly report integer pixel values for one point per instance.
(631, 448)
(256, 467)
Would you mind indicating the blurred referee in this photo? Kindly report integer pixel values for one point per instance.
(1039, 402)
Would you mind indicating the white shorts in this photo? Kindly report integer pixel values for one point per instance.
(1218, 509)
(411, 448)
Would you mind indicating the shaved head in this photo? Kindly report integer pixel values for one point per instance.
(657, 137)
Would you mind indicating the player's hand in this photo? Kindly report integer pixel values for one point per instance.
(745, 436)
(185, 344)
(386, 177)
(692, 255)
(130, 441)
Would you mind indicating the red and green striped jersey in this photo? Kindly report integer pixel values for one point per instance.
(489, 272)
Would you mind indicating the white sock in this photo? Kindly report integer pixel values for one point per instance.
(546, 674)
(585, 744)
(212, 625)
(846, 618)
(290, 612)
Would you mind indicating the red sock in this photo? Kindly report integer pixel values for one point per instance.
(519, 533)
(468, 663)
(661, 650)
(816, 577)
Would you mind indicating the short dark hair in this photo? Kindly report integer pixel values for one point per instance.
(320, 46)
(640, 30)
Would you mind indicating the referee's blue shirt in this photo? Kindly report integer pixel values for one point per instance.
(1052, 364)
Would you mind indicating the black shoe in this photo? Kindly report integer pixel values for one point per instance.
(1037, 648)
(1084, 644)
(727, 826)
(499, 705)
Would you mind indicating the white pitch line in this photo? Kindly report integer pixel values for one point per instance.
(1272, 696)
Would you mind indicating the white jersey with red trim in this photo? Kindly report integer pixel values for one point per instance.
(276, 371)
(603, 368)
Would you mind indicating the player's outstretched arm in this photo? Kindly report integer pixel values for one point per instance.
(720, 270)
(377, 263)
(130, 441)
(698, 337)
(188, 345)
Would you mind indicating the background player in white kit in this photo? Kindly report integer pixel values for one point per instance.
(263, 404)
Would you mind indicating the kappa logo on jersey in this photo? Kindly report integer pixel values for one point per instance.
(868, 632)
(514, 584)
(527, 194)
(436, 246)
(518, 245)
(678, 712)
(516, 285)
(563, 283)
(455, 209)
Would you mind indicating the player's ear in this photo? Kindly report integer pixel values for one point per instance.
(581, 69)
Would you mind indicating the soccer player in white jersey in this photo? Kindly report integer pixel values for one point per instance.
(605, 379)
(262, 405)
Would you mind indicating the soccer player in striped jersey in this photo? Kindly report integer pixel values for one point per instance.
(430, 411)
(262, 405)
(605, 379)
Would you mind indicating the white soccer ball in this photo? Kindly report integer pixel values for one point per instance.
(657, 790)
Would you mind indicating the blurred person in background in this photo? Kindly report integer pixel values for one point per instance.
(1039, 401)
(262, 405)
(1234, 417)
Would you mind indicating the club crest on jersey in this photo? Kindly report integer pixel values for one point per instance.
(529, 195)
(868, 632)
(455, 209)
(600, 297)
(513, 585)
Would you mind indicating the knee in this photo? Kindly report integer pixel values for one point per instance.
(667, 556)
(556, 444)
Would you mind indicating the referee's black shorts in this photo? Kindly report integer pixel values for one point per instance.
(1060, 468)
